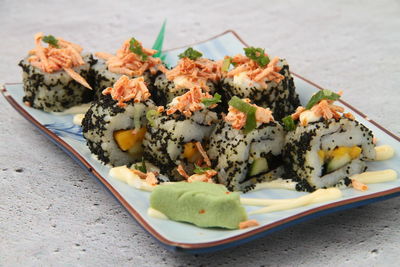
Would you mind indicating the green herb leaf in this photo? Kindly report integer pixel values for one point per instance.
(251, 122)
(226, 63)
(248, 109)
(135, 47)
(240, 105)
(51, 40)
(200, 170)
(141, 167)
(211, 101)
(257, 54)
(323, 94)
(151, 115)
(289, 123)
(190, 53)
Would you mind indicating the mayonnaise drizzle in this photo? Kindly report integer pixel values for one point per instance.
(277, 184)
(384, 152)
(123, 174)
(156, 214)
(374, 177)
(321, 195)
(308, 116)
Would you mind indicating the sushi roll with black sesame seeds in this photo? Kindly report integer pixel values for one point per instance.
(325, 147)
(266, 81)
(191, 71)
(175, 138)
(115, 124)
(55, 77)
(133, 60)
(246, 146)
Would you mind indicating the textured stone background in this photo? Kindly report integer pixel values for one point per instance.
(53, 213)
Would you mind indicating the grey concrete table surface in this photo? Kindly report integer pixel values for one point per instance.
(53, 213)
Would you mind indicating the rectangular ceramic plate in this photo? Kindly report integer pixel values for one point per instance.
(182, 236)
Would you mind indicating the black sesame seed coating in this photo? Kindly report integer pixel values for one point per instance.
(103, 78)
(232, 153)
(297, 151)
(281, 98)
(55, 92)
(164, 90)
(96, 127)
(173, 132)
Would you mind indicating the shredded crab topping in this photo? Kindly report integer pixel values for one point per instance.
(238, 119)
(204, 177)
(255, 72)
(299, 110)
(203, 154)
(326, 109)
(196, 73)
(188, 102)
(248, 223)
(128, 63)
(349, 115)
(323, 109)
(65, 56)
(358, 185)
(126, 89)
(182, 171)
(374, 140)
(160, 109)
(149, 177)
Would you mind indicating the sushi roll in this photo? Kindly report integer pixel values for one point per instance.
(175, 138)
(132, 60)
(55, 77)
(191, 71)
(246, 146)
(115, 124)
(267, 82)
(323, 146)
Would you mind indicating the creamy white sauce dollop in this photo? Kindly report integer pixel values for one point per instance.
(309, 116)
(74, 110)
(77, 120)
(156, 214)
(124, 174)
(242, 80)
(180, 82)
(384, 152)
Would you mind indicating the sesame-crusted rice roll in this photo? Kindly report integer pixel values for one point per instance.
(191, 71)
(325, 147)
(175, 138)
(246, 146)
(266, 81)
(54, 77)
(132, 60)
(115, 124)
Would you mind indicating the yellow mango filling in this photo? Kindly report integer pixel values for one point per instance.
(354, 152)
(126, 139)
(338, 157)
(190, 152)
